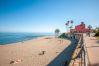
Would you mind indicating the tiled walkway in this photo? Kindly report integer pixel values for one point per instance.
(92, 46)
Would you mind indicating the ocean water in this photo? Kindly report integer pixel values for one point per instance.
(9, 38)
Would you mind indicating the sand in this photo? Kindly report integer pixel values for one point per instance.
(36, 52)
(92, 45)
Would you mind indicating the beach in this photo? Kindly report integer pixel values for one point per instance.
(35, 52)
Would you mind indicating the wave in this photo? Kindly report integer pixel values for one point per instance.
(9, 38)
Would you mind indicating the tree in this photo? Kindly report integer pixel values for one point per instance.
(69, 24)
(97, 34)
(72, 22)
(97, 28)
(89, 27)
(57, 32)
(97, 31)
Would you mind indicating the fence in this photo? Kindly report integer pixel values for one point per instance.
(79, 56)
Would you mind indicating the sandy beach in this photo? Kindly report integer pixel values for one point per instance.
(36, 52)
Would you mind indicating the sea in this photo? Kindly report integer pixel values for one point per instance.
(10, 38)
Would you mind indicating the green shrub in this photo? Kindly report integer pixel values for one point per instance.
(63, 35)
(97, 33)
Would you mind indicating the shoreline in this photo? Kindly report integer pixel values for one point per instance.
(36, 52)
(25, 40)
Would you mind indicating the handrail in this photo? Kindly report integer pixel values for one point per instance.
(85, 56)
(76, 52)
(80, 50)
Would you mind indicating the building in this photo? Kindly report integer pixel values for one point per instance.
(80, 28)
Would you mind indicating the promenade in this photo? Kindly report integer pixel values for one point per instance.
(92, 47)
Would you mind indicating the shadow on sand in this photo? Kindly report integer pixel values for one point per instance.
(64, 57)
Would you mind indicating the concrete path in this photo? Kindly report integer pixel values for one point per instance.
(92, 46)
(64, 57)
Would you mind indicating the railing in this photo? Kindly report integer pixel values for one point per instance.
(79, 55)
(85, 55)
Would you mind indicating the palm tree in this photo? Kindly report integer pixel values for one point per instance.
(67, 25)
(89, 27)
(57, 32)
(72, 22)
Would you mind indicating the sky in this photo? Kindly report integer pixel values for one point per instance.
(46, 15)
